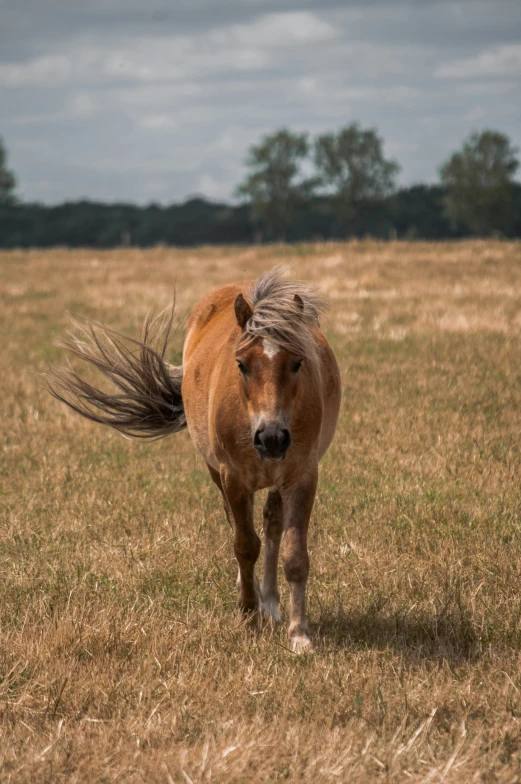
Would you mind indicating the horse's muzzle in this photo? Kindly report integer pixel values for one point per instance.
(272, 441)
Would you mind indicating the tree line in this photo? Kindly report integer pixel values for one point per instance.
(337, 186)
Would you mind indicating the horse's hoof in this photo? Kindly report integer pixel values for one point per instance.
(301, 644)
(270, 611)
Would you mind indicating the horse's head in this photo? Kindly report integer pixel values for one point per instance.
(270, 379)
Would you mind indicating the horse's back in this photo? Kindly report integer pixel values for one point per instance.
(212, 319)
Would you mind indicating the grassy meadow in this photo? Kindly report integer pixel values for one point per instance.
(122, 656)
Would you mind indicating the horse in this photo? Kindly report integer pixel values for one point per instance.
(259, 390)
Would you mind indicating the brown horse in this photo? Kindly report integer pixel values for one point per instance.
(259, 390)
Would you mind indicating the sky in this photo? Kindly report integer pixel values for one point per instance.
(159, 100)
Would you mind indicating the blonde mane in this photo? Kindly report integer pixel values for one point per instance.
(285, 311)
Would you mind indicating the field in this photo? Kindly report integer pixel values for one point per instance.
(122, 656)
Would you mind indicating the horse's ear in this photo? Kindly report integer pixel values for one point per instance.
(243, 310)
(299, 302)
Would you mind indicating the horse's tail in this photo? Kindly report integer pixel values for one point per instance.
(148, 402)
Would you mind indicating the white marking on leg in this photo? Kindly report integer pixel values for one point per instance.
(301, 644)
(270, 610)
(298, 632)
(270, 348)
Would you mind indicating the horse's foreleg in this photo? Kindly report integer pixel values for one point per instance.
(298, 503)
(273, 523)
(246, 543)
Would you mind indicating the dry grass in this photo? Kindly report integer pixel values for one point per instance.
(121, 655)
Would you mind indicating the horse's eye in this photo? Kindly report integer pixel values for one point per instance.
(296, 366)
(241, 365)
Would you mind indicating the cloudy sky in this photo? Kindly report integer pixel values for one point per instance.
(157, 100)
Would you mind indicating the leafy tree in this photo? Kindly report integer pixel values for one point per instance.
(7, 179)
(275, 188)
(479, 182)
(352, 168)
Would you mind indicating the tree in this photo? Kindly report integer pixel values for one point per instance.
(479, 182)
(352, 168)
(275, 187)
(7, 179)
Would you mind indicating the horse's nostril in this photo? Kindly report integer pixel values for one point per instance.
(257, 437)
(285, 440)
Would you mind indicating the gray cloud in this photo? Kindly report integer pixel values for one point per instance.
(111, 101)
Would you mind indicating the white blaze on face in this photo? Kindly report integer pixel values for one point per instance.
(270, 348)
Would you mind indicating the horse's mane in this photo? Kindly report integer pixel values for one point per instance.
(285, 311)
